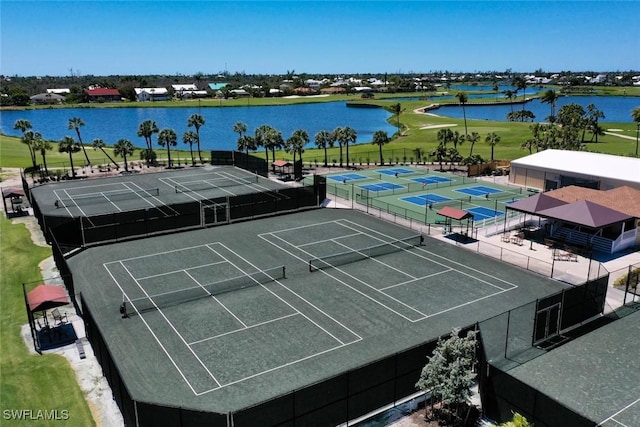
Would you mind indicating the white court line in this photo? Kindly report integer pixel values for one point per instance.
(331, 239)
(171, 326)
(181, 270)
(165, 252)
(74, 202)
(235, 331)
(244, 325)
(342, 281)
(265, 189)
(611, 418)
(173, 362)
(189, 193)
(277, 281)
(376, 259)
(421, 249)
(415, 279)
(156, 206)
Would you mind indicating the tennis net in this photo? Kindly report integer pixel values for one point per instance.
(167, 299)
(355, 255)
(212, 184)
(105, 197)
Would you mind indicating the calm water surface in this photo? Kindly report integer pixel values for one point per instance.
(112, 124)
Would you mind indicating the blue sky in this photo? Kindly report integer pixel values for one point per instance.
(264, 37)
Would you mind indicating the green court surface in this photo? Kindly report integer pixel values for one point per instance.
(218, 350)
(153, 191)
(418, 193)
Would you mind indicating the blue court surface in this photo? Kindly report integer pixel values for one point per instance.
(431, 180)
(425, 199)
(383, 186)
(478, 190)
(346, 177)
(481, 213)
(399, 171)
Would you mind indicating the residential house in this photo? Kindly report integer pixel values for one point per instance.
(104, 95)
(151, 94)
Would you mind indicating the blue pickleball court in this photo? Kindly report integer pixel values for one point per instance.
(382, 186)
(394, 171)
(429, 180)
(425, 199)
(479, 213)
(478, 190)
(347, 177)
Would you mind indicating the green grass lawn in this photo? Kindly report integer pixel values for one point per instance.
(30, 382)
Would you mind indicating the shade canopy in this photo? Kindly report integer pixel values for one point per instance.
(454, 213)
(44, 297)
(281, 163)
(535, 204)
(12, 192)
(585, 213)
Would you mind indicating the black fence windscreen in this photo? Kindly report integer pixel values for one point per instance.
(241, 160)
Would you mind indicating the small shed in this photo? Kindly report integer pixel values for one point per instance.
(17, 202)
(280, 165)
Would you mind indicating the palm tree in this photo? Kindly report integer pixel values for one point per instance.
(492, 139)
(323, 140)
(457, 139)
(28, 138)
(344, 136)
(462, 99)
(264, 137)
(302, 139)
(76, 123)
(168, 138)
(294, 145)
(380, 138)
(196, 120)
(99, 144)
(496, 88)
(550, 97)
(189, 137)
(635, 115)
(42, 145)
(593, 115)
(396, 109)
(124, 148)
(473, 138)
(509, 94)
(25, 125)
(335, 136)
(440, 153)
(246, 143)
(69, 145)
(146, 130)
(240, 128)
(445, 136)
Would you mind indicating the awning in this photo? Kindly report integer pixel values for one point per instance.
(44, 297)
(281, 163)
(585, 213)
(12, 192)
(535, 204)
(454, 213)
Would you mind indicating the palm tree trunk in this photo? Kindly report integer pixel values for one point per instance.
(199, 152)
(340, 155)
(381, 159)
(109, 157)
(82, 146)
(347, 145)
(193, 161)
(73, 171)
(169, 155)
(44, 162)
(266, 153)
(325, 156)
(126, 166)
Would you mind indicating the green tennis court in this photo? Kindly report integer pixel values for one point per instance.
(222, 319)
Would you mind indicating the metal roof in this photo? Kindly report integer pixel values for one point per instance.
(585, 163)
